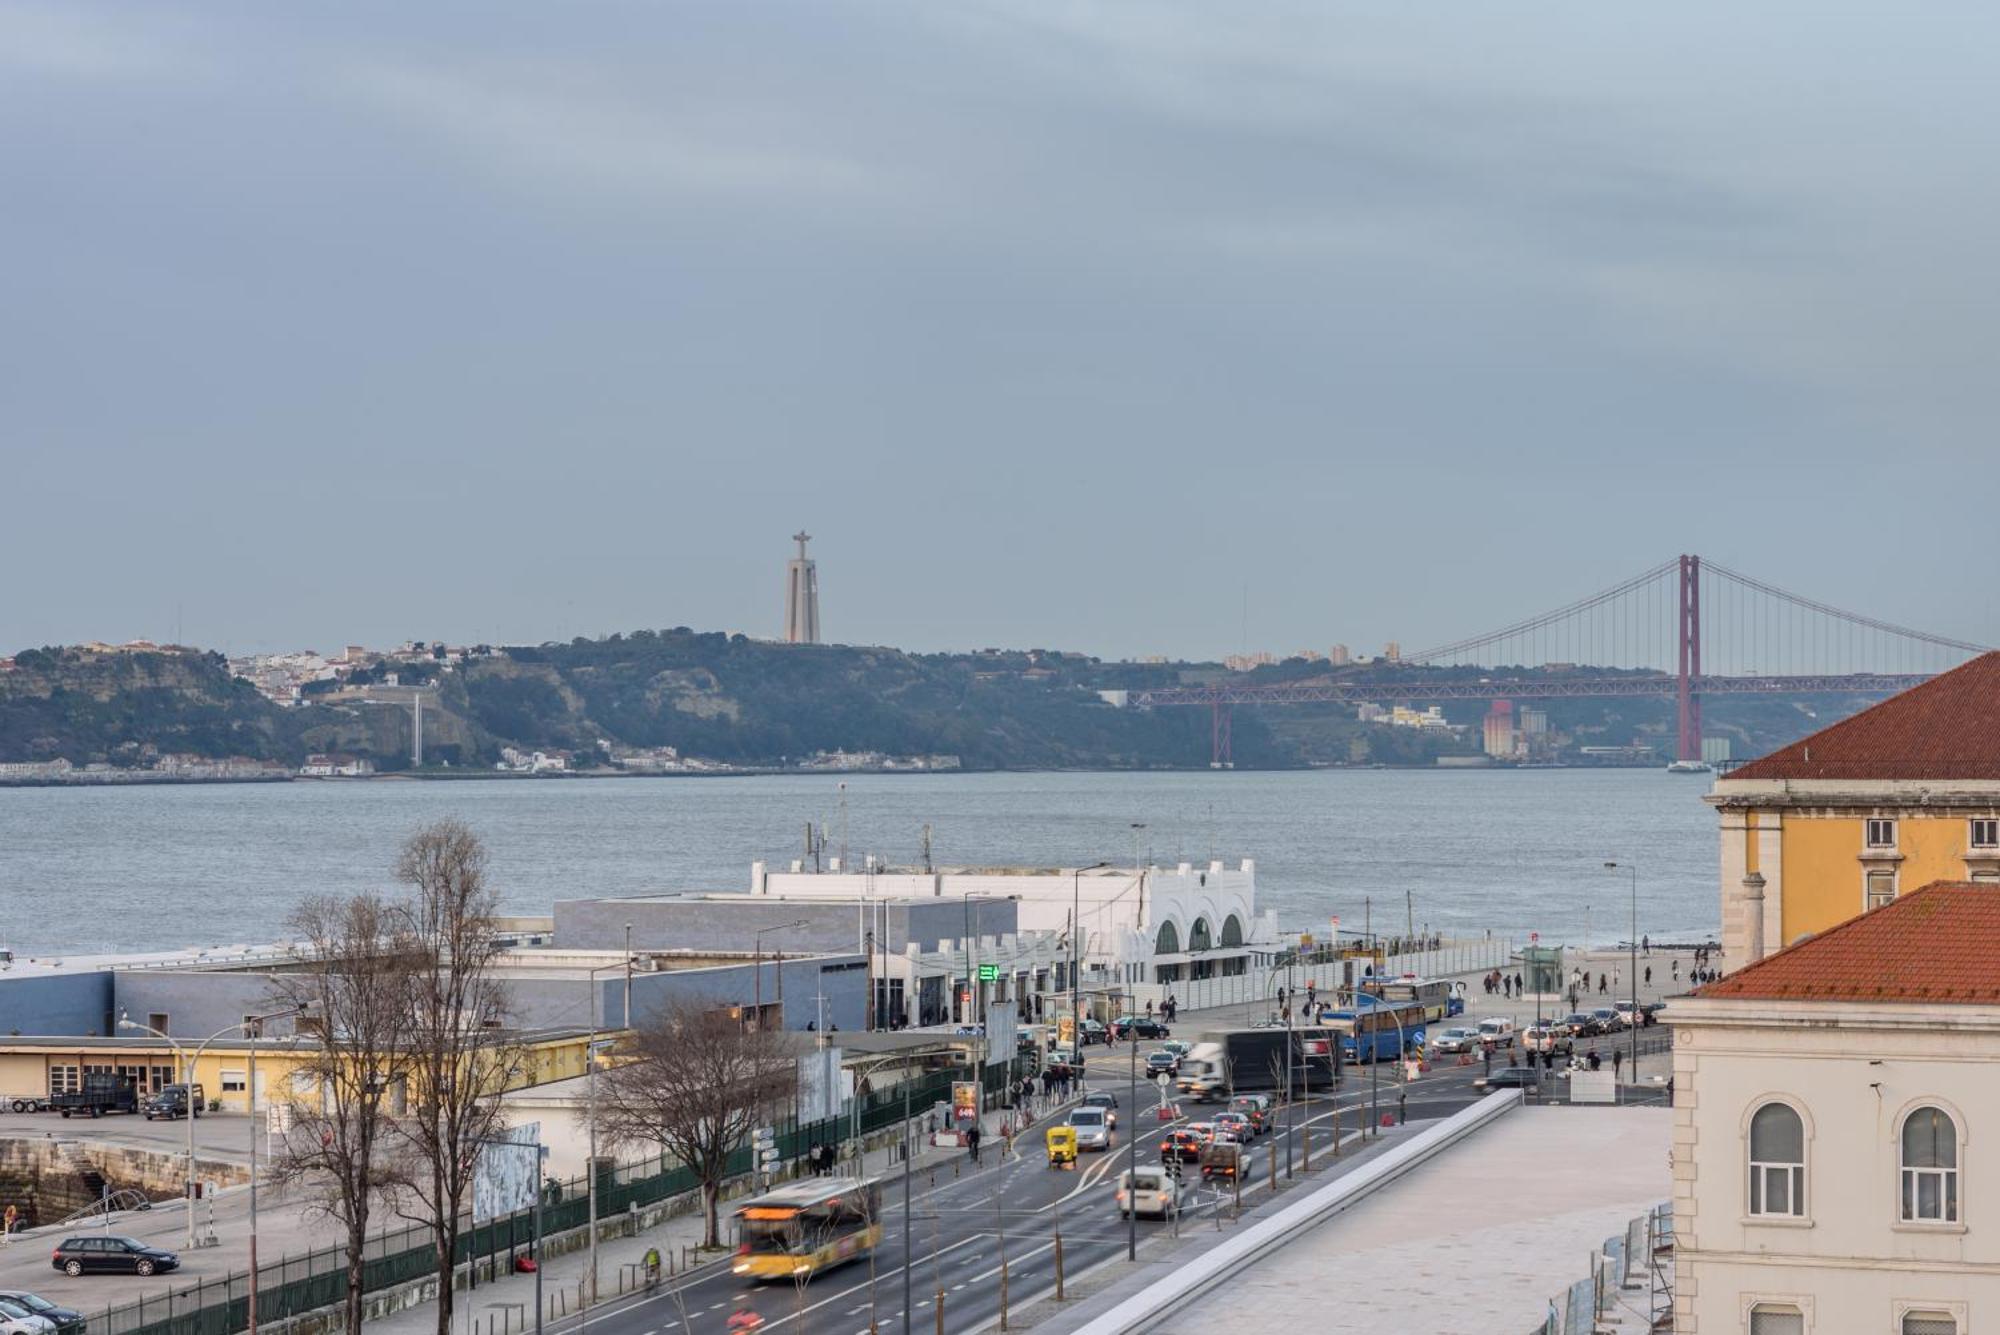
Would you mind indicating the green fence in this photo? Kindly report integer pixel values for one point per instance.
(300, 1284)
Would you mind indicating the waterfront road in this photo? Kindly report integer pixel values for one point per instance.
(1006, 1211)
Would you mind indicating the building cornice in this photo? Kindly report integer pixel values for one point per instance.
(1785, 1014)
(1770, 794)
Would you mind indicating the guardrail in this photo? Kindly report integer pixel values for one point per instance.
(1447, 958)
(1170, 1296)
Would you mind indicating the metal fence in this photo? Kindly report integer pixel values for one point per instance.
(296, 1285)
(1446, 958)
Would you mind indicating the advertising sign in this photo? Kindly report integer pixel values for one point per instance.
(964, 1102)
(1001, 1033)
(505, 1177)
(1066, 1031)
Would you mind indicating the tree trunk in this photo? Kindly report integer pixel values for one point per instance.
(445, 1244)
(357, 1260)
(711, 1235)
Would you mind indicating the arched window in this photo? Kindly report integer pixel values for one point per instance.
(1930, 1167)
(1198, 938)
(1777, 1319)
(1168, 942)
(1777, 1161)
(1232, 931)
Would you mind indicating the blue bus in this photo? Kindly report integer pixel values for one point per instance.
(1439, 997)
(1370, 1032)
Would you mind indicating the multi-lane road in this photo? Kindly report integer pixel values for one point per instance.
(999, 1221)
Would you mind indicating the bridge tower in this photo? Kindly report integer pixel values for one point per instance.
(1690, 660)
(1218, 734)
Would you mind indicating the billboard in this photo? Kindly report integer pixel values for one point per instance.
(965, 1102)
(1002, 1033)
(505, 1177)
(820, 1091)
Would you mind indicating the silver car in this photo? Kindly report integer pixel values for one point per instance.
(1093, 1128)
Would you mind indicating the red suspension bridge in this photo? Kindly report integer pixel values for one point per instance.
(1644, 637)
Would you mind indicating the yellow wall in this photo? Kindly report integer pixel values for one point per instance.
(1824, 874)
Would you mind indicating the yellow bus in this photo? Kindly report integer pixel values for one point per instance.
(802, 1228)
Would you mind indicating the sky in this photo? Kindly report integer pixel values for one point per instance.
(1145, 328)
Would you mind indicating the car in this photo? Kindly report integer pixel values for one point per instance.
(1237, 1126)
(1458, 1038)
(109, 1253)
(1093, 1031)
(1093, 1128)
(172, 1102)
(1145, 1026)
(1609, 1021)
(1541, 1038)
(1524, 1078)
(1149, 1190)
(1580, 1025)
(1496, 1032)
(1178, 1046)
(1104, 1099)
(1183, 1143)
(1162, 1063)
(1257, 1108)
(67, 1320)
(18, 1320)
(1069, 1057)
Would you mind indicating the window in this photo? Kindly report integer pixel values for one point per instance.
(234, 1082)
(253, 1027)
(64, 1080)
(1930, 1167)
(1929, 1323)
(1881, 888)
(1985, 832)
(1772, 1319)
(1777, 1162)
(1881, 833)
(158, 1020)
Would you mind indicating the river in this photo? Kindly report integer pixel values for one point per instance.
(1513, 851)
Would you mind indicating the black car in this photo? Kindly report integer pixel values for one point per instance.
(1142, 1026)
(172, 1102)
(107, 1253)
(1524, 1078)
(68, 1320)
(1163, 1063)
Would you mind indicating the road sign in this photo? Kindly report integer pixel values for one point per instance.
(989, 973)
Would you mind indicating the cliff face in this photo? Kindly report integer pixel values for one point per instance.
(122, 708)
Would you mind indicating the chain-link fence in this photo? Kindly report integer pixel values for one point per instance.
(296, 1285)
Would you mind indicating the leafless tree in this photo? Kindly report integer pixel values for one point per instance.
(694, 1081)
(461, 1059)
(350, 972)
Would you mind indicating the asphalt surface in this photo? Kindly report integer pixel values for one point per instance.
(1011, 1208)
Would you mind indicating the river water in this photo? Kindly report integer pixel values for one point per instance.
(1514, 851)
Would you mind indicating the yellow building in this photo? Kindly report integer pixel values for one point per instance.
(54, 1065)
(1895, 797)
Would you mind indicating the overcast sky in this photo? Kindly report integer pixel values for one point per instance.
(1058, 324)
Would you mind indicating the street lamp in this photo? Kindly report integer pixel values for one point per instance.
(590, 1117)
(534, 1243)
(757, 942)
(258, 1021)
(188, 1063)
(1076, 949)
(1634, 944)
(908, 1167)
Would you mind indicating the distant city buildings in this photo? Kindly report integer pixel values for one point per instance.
(1247, 662)
(336, 766)
(1393, 651)
(802, 595)
(1338, 656)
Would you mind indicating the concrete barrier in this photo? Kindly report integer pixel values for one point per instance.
(1170, 1296)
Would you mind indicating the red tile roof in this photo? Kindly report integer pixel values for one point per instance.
(1947, 728)
(1938, 944)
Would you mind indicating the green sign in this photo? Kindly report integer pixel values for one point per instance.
(989, 973)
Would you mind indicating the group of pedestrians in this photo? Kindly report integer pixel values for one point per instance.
(1505, 984)
(821, 1159)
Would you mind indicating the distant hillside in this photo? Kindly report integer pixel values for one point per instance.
(756, 703)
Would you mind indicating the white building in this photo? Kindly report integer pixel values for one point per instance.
(1829, 1102)
(1146, 925)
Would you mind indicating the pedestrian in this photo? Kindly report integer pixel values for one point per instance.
(1518, 990)
(1507, 987)
(1591, 1057)
(1646, 943)
(1149, 1010)
(1603, 984)
(1649, 975)
(1677, 971)
(1617, 1062)
(972, 1141)
(1486, 1059)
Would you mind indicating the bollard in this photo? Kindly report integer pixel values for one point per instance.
(940, 1312)
(1059, 1268)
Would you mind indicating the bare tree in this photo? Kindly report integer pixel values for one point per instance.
(694, 1081)
(351, 975)
(461, 1058)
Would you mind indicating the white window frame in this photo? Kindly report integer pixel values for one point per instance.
(235, 1081)
(1950, 1182)
(1986, 825)
(1882, 824)
(1757, 1185)
(1871, 898)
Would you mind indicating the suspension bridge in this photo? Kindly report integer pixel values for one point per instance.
(1685, 629)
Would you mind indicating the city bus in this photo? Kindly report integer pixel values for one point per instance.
(797, 1230)
(1370, 1031)
(1437, 996)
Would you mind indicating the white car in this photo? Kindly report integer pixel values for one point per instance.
(1149, 1190)
(1093, 1128)
(1496, 1032)
(1459, 1038)
(18, 1320)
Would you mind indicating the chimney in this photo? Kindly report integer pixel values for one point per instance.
(1753, 912)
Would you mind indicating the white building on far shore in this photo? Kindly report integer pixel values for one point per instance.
(1144, 925)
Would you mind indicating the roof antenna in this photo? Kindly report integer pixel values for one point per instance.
(927, 846)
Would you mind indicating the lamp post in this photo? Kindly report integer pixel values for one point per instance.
(1132, 1151)
(187, 1084)
(590, 1116)
(257, 1020)
(535, 1242)
(757, 969)
(1076, 950)
(1634, 944)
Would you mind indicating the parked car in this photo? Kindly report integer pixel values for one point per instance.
(1496, 1032)
(1458, 1038)
(1163, 1063)
(1105, 1100)
(18, 1320)
(1142, 1025)
(172, 1102)
(1093, 1128)
(1524, 1078)
(1149, 1190)
(102, 1253)
(67, 1320)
